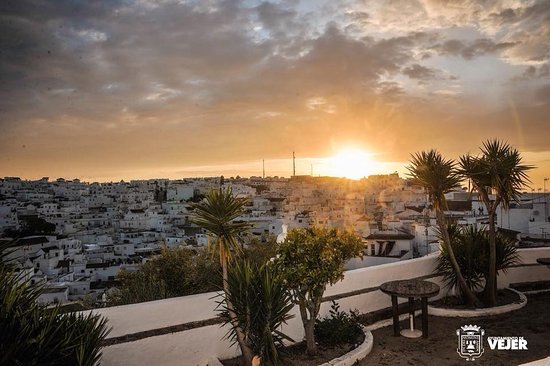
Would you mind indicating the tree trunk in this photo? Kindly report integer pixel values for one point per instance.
(471, 298)
(490, 290)
(246, 351)
(309, 327)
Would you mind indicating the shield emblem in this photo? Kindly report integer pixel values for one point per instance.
(470, 342)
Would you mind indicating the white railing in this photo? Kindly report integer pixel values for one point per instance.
(194, 346)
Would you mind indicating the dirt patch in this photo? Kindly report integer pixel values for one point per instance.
(504, 297)
(531, 322)
(295, 355)
(531, 286)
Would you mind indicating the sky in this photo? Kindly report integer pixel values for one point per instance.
(128, 89)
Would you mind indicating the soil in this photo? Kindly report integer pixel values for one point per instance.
(504, 297)
(295, 355)
(531, 322)
(532, 286)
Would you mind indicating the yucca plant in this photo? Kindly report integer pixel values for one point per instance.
(218, 214)
(31, 334)
(471, 248)
(261, 304)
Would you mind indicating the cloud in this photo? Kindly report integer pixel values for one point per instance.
(137, 82)
(420, 72)
(469, 50)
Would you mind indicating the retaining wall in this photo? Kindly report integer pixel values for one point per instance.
(183, 330)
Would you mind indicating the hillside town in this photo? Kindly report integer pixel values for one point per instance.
(75, 237)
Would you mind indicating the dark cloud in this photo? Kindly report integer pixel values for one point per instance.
(469, 50)
(505, 16)
(420, 72)
(533, 72)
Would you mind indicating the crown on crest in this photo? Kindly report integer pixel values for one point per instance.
(470, 328)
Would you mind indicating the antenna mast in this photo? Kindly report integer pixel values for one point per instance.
(263, 168)
(293, 164)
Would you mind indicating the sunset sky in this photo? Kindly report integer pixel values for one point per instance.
(110, 90)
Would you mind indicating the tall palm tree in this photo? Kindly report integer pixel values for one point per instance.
(498, 176)
(430, 170)
(217, 214)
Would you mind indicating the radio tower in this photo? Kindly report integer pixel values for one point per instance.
(293, 164)
(263, 168)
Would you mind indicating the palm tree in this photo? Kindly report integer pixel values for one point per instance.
(430, 170)
(217, 214)
(498, 176)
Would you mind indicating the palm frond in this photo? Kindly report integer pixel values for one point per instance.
(218, 214)
(430, 170)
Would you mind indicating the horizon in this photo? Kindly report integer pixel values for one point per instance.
(140, 88)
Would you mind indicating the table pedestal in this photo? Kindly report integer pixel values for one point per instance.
(411, 332)
(411, 289)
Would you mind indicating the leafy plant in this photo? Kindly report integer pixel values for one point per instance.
(218, 214)
(337, 328)
(471, 247)
(259, 252)
(30, 334)
(260, 303)
(175, 272)
(309, 260)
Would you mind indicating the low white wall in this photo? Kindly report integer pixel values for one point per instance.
(194, 346)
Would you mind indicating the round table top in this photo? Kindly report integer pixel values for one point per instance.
(410, 288)
(544, 261)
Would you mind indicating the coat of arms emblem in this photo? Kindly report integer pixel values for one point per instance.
(470, 342)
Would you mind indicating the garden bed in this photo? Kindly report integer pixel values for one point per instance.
(295, 355)
(504, 297)
(507, 300)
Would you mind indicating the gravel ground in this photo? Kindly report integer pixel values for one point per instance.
(531, 322)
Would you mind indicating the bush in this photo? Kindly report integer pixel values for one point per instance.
(30, 334)
(471, 248)
(337, 328)
(309, 260)
(175, 272)
(261, 304)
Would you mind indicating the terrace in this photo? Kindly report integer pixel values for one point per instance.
(186, 331)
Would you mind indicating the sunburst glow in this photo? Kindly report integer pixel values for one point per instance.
(351, 163)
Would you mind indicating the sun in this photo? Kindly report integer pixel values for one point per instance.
(351, 163)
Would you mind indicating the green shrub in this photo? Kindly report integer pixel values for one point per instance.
(175, 272)
(337, 328)
(260, 303)
(30, 334)
(309, 260)
(470, 245)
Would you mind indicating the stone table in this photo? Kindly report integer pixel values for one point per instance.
(410, 289)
